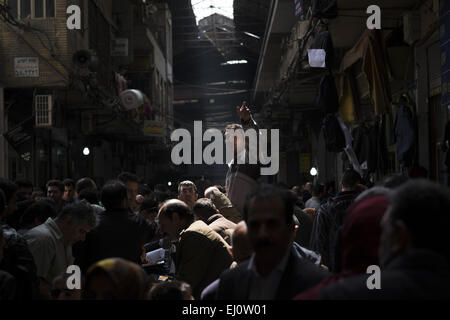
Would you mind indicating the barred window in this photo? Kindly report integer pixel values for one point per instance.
(35, 9)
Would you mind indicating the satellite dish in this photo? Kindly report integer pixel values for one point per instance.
(132, 99)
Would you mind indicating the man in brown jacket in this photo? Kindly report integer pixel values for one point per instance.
(223, 204)
(205, 210)
(201, 253)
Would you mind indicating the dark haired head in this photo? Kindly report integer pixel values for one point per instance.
(144, 190)
(161, 197)
(69, 183)
(37, 195)
(149, 205)
(85, 183)
(25, 189)
(9, 188)
(204, 208)
(265, 192)
(113, 194)
(410, 202)
(55, 183)
(90, 195)
(128, 177)
(318, 189)
(350, 179)
(37, 213)
(172, 291)
(3, 203)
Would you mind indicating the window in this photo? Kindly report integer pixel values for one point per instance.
(37, 9)
(43, 110)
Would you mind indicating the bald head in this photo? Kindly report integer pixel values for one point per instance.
(242, 249)
(173, 217)
(171, 206)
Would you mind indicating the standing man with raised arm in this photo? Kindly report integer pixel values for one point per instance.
(242, 176)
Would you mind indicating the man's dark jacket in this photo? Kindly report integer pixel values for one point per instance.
(19, 263)
(417, 275)
(118, 234)
(325, 238)
(299, 275)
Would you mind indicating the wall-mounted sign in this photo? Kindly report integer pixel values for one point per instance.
(20, 138)
(26, 67)
(154, 128)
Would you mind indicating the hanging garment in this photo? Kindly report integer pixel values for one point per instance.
(327, 9)
(404, 135)
(323, 41)
(346, 98)
(372, 49)
(363, 148)
(333, 134)
(349, 148)
(327, 97)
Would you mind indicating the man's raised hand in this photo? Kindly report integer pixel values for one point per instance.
(244, 112)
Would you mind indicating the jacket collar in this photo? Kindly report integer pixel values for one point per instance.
(214, 218)
(53, 228)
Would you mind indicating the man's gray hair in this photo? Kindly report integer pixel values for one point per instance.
(80, 212)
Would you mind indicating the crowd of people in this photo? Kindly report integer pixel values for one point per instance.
(133, 241)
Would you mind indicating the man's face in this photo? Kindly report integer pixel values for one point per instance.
(308, 187)
(170, 228)
(79, 232)
(69, 193)
(132, 191)
(54, 193)
(268, 231)
(24, 193)
(188, 195)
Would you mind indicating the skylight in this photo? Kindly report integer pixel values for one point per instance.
(205, 8)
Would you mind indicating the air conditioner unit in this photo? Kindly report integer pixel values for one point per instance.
(43, 110)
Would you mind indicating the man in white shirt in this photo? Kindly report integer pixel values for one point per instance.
(51, 243)
(275, 270)
(242, 176)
